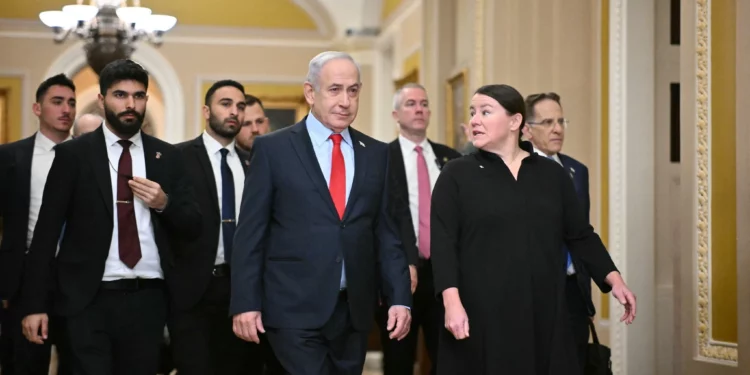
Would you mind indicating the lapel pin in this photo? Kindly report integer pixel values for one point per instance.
(158, 155)
(481, 166)
(572, 170)
(247, 163)
(361, 144)
(445, 159)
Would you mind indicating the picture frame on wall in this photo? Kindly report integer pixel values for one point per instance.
(457, 108)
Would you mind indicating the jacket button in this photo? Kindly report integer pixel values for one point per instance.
(339, 258)
(343, 225)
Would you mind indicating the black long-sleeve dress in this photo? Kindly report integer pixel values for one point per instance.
(500, 242)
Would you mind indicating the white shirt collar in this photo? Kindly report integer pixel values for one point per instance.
(112, 138)
(213, 146)
(409, 146)
(45, 143)
(554, 157)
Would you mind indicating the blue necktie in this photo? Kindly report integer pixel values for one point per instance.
(567, 253)
(227, 205)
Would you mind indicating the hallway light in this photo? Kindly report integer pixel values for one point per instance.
(109, 27)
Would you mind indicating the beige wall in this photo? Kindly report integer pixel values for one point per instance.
(32, 53)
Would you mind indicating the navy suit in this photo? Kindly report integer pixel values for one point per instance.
(578, 286)
(290, 244)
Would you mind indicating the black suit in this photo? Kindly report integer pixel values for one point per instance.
(290, 244)
(114, 326)
(428, 312)
(15, 185)
(200, 327)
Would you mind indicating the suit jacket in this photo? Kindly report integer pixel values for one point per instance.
(290, 242)
(15, 185)
(398, 193)
(79, 194)
(194, 265)
(580, 175)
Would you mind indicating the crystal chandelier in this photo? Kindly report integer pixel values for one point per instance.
(109, 27)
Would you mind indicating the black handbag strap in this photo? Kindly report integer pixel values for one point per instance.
(592, 328)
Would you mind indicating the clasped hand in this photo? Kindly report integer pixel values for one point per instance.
(149, 192)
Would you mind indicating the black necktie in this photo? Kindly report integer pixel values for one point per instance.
(227, 205)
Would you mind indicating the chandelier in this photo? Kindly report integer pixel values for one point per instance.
(110, 28)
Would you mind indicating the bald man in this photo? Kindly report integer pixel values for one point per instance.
(86, 124)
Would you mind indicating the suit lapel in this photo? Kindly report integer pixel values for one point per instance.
(199, 152)
(24, 156)
(440, 158)
(360, 169)
(303, 147)
(569, 168)
(100, 164)
(397, 163)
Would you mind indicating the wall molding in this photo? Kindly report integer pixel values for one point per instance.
(479, 53)
(27, 99)
(708, 349)
(631, 179)
(616, 123)
(393, 23)
(72, 60)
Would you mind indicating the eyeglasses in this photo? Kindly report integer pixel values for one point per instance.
(549, 122)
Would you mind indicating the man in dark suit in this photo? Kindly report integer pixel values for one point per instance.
(119, 195)
(312, 226)
(24, 166)
(200, 327)
(545, 129)
(415, 164)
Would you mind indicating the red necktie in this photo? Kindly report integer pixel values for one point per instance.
(337, 183)
(127, 228)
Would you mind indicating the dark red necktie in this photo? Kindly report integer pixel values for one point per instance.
(337, 183)
(130, 245)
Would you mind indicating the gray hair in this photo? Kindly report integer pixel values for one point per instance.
(317, 63)
(397, 103)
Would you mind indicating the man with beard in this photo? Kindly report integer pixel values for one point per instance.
(256, 123)
(199, 325)
(24, 166)
(120, 195)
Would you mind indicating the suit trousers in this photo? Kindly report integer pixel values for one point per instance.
(334, 349)
(203, 342)
(121, 331)
(578, 318)
(427, 313)
(23, 357)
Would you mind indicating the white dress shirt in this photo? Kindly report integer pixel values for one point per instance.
(213, 148)
(41, 162)
(149, 267)
(410, 166)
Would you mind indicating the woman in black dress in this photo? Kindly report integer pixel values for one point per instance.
(500, 217)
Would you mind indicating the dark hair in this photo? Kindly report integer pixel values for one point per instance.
(122, 70)
(533, 99)
(252, 100)
(58, 80)
(220, 84)
(509, 98)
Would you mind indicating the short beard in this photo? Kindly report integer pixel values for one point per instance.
(224, 131)
(122, 128)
